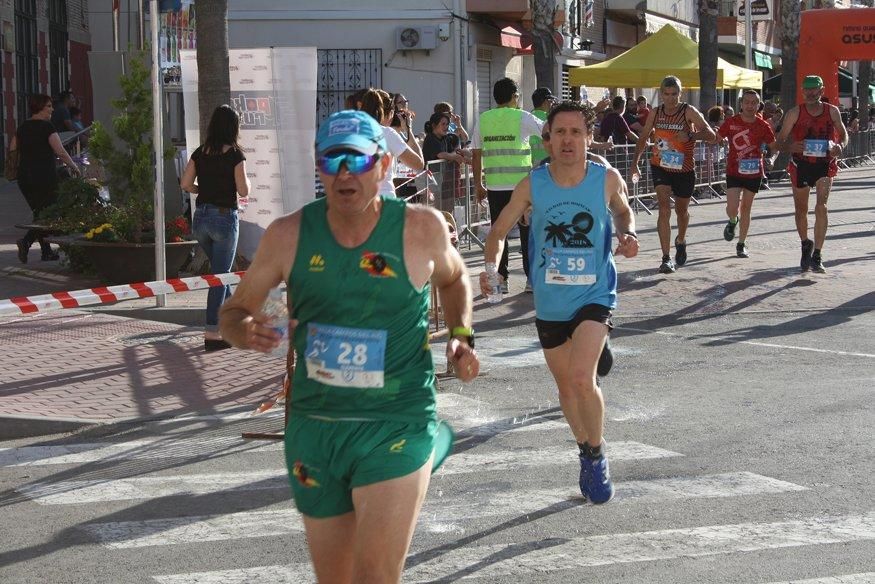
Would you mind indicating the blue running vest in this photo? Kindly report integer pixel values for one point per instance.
(570, 257)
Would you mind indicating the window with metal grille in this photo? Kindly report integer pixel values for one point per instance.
(342, 72)
(26, 56)
(565, 90)
(59, 57)
(484, 86)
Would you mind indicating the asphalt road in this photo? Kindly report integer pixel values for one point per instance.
(739, 428)
(740, 446)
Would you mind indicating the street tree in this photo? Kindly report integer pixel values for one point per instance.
(707, 53)
(790, 22)
(214, 82)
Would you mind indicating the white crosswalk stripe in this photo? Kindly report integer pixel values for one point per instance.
(151, 448)
(94, 491)
(437, 515)
(535, 557)
(544, 556)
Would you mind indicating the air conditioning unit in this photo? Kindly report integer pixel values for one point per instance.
(416, 38)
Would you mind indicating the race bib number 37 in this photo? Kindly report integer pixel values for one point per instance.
(345, 357)
(570, 267)
(815, 148)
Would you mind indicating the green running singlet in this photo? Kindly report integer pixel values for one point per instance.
(362, 336)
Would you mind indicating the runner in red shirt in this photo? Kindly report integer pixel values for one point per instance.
(814, 133)
(746, 133)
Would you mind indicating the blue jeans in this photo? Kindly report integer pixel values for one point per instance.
(216, 230)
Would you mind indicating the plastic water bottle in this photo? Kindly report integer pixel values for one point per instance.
(277, 311)
(494, 296)
(452, 128)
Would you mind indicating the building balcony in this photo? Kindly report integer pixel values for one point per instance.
(510, 10)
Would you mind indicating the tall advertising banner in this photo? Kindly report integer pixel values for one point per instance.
(274, 93)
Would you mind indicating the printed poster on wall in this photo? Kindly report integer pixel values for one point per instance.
(274, 93)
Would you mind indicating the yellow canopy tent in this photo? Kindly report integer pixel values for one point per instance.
(667, 52)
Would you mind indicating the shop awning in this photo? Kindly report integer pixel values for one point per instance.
(667, 52)
(514, 36)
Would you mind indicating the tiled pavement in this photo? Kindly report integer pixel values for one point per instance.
(132, 361)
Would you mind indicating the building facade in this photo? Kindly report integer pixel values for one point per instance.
(45, 46)
(429, 51)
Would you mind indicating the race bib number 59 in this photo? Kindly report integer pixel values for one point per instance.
(570, 267)
(345, 357)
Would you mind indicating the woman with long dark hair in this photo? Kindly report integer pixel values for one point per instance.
(379, 105)
(219, 167)
(441, 144)
(39, 147)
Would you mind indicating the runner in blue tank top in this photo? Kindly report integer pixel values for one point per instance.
(575, 282)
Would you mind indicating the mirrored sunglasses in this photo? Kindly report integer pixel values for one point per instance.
(355, 162)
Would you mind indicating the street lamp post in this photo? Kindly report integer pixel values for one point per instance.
(748, 35)
(158, 142)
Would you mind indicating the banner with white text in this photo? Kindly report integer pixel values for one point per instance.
(274, 93)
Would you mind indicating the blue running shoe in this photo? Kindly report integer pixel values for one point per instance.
(595, 479)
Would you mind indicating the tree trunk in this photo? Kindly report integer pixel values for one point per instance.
(214, 83)
(707, 53)
(790, 21)
(865, 73)
(545, 48)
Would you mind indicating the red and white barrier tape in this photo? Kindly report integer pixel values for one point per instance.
(77, 298)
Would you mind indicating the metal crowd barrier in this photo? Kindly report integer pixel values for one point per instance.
(448, 187)
(860, 150)
(710, 167)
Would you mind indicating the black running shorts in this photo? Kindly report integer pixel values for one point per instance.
(748, 184)
(682, 183)
(552, 333)
(806, 174)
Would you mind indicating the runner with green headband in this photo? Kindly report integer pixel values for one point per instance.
(814, 134)
(363, 436)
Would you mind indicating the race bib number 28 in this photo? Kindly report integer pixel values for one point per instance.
(345, 357)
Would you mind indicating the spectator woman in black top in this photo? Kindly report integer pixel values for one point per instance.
(441, 144)
(39, 146)
(219, 167)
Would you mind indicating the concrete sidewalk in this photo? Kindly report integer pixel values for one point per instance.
(131, 361)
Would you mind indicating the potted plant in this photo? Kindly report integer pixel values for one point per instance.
(117, 236)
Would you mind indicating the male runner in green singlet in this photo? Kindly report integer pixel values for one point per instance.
(360, 442)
